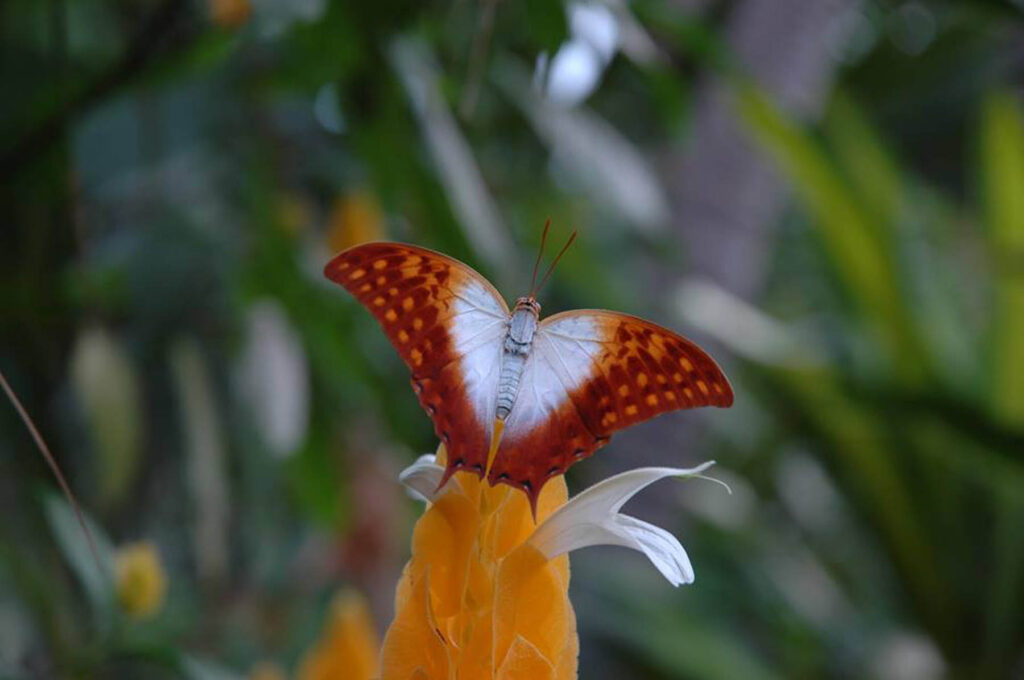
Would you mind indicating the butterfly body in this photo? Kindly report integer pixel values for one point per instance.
(522, 326)
(539, 395)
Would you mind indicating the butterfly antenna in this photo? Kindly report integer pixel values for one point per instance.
(52, 462)
(540, 253)
(558, 257)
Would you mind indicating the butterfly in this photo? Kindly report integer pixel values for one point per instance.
(515, 399)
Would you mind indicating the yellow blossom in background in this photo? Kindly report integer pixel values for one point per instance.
(267, 671)
(355, 218)
(141, 582)
(485, 595)
(294, 214)
(348, 647)
(230, 13)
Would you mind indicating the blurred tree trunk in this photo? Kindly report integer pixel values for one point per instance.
(726, 195)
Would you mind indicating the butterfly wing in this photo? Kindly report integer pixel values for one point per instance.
(589, 374)
(447, 323)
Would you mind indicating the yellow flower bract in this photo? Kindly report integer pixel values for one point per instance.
(476, 601)
(348, 647)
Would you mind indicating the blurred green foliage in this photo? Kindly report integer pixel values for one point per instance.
(175, 174)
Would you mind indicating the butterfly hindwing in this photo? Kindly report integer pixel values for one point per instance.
(447, 323)
(591, 373)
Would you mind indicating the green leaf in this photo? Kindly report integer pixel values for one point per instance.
(655, 632)
(901, 209)
(867, 165)
(194, 668)
(1006, 590)
(858, 440)
(315, 479)
(862, 254)
(97, 579)
(1002, 160)
(547, 23)
(1002, 169)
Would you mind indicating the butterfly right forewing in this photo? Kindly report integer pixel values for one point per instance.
(639, 369)
(592, 373)
(447, 323)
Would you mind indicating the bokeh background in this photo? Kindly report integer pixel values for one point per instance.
(827, 194)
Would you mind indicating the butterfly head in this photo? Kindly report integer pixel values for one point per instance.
(530, 303)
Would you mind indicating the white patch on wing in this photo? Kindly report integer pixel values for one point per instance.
(562, 359)
(478, 326)
(573, 341)
(479, 297)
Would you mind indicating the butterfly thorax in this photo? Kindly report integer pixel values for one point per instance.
(522, 326)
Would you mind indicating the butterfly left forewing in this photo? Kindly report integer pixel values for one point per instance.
(447, 323)
(590, 374)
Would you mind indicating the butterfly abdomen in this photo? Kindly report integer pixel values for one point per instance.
(508, 383)
(518, 343)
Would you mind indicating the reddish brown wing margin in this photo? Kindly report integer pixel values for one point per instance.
(411, 291)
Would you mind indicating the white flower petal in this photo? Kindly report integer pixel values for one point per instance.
(273, 376)
(592, 518)
(574, 73)
(661, 547)
(422, 477)
(595, 24)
